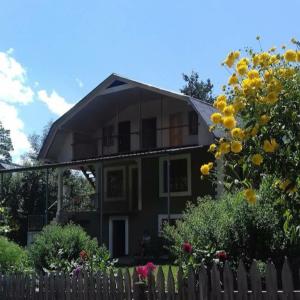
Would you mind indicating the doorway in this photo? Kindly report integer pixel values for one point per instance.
(118, 236)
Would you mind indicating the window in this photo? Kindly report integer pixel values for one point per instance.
(108, 139)
(163, 219)
(193, 123)
(114, 183)
(180, 175)
(149, 133)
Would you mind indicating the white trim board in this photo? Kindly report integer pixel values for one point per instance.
(110, 229)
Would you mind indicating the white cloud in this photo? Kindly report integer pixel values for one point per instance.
(14, 90)
(79, 82)
(13, 80)
(56, 103)
(11, 120)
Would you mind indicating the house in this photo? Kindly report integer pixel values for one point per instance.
(140, 147)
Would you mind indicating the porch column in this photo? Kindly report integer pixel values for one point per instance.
(59, 192)
(99, 195)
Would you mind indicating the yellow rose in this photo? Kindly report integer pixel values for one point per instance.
(253, 74)
(228, 110)
(218, 154)
(229, 122)
(264, 119)
(290, 55)
(221, 98)
(233, 79)
(210, 165)
(270, 145)
(298, 56)
(250, 196)
(242, 69)
(268, 74)
(216, 118)
(212, 148)
(237, 133)
(272, 98)
(221, 105)
(204, 169)
(257, 159)
(236, 147)
(224, 147)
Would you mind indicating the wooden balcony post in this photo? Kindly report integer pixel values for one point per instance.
(60, 172)
(99, 194)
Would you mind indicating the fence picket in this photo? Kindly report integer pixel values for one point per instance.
(120, 285)
(287, 281)
(191, 284)
(170, 285)
(271, 281)
(151, 286)
(74, 287)
(228, 282)
(160, 284)
(180, 283)
(105, 287)
(68, 287)
(242, 282)
(112, 286)
(203, 283)
(215, 283)
(255, 281)
(127, 285)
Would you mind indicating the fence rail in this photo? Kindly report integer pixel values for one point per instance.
(204, 284)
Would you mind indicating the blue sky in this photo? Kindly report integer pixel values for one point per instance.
(56, 51)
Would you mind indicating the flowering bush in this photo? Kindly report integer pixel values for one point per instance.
(259, 114)
(69, 249)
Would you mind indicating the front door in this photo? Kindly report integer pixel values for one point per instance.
(118, 236)
(124, 136)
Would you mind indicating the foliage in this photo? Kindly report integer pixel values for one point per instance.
(260, 116)
(5, 144)
(67, 248)
(13, 258)
(228, 228)
(197, 89)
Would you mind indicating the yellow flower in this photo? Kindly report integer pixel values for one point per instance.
(253, 74)
(237, 133)
(254, 130)
(212, 148)
(229, 122)
(221, 98)
(210, 165)
(268, 74)
(221, 105)
(236, 147)
(270, 145)
(264, 59)
(233, 79)
(218, 154)
(228, 110)
(290, 55)
(255, 59)
(238, 105)
(250, 196)
(229, 61)
(272, 98)
(224, 147)
(257, 159)
(264, 119)
(216, 118)
(242, 69)
(298, 56)
(205, 169)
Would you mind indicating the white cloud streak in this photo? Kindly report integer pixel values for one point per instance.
(56, 103)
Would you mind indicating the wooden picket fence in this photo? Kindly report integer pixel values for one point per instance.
(201, 284)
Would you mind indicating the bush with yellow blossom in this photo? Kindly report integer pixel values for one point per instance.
(259, 113)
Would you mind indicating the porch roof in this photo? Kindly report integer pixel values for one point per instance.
(166, 151)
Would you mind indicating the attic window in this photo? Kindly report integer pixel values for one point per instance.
(116, 83)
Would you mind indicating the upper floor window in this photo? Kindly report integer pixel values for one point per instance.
(114, 183)
(180, 175)
(108, 139)
(149, 133)
(193, 123)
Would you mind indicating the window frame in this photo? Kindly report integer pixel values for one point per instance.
(188, 192)
(161, 217)
(191, 125)
(108, 140)
(115, 168)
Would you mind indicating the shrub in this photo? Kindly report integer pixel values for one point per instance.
(13, 258)
(66, 248)
(228, 227)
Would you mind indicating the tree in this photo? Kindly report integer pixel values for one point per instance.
(5, 144)
(197, 89)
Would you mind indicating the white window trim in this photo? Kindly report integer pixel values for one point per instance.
(106, 170)
(186, 156)
(165, 216)
(110, 229)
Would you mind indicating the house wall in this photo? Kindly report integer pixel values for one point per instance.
(153, 204)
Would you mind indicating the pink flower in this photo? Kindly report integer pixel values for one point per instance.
(150, 266)
(187, 247)
(221, 255)
(142, 272)
(83, 255)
